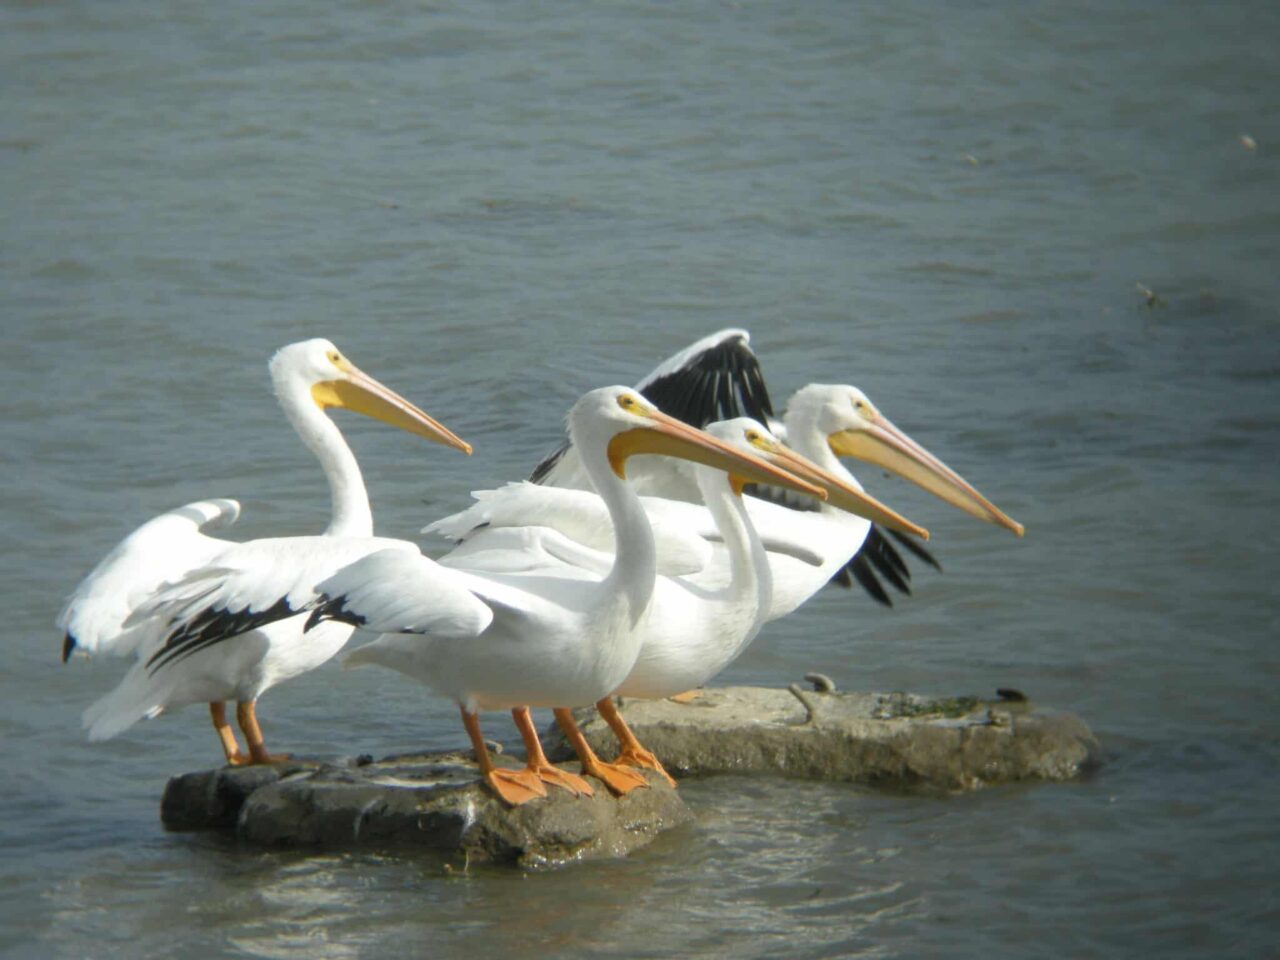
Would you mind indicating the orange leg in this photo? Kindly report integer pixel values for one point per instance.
(537, 760)
(218, 713)
(618, 779)
(247, 717)
(513, 786)
(632, 754)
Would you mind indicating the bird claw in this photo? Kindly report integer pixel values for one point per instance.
(515, 786)
(262, 757)
(565, 780)
(644, 758)
(619, 779)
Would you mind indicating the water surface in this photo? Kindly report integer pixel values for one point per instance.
(494, 207)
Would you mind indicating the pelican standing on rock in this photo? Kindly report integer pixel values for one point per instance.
(804, 546)
(697, 628)
(562, 636)
(700, 621)
(232, 647)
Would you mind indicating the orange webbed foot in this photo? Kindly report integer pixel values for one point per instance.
(515, 786)
(238, 759)
(261, 756)
(687, 697)
(565, 780)
(619, 779)
(633, 757)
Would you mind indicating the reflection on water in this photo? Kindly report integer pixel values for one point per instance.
(770, 868)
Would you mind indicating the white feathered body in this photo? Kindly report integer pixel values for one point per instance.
(213, 621)
(696, 623)
(157, 553)
(243, 579)
(562, 635)
(805, 548)
(556, 639)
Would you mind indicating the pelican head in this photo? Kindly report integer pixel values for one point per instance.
(626, 424)
(749, 434)
(321, 370)
(853, 427)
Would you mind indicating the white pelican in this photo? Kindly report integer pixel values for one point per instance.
(697, 625)
(719, 376)
(823, 423)
(562, 636)
(806, 547)
(111, 610)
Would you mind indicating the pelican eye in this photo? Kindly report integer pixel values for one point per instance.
(753, 436)
(626, 401)
(334, 357)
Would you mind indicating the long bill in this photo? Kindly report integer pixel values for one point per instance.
(882, 443)
(669, 437)
(362, 394)
(841, 493)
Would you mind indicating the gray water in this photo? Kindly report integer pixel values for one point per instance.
(493, 207)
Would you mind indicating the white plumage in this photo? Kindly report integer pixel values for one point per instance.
(563, 635)
(719, 376)
(766, 558)
(93, 620)
(203, 616)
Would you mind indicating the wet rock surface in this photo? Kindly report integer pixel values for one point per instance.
(431, 802)
(435, 802)
(897, 740)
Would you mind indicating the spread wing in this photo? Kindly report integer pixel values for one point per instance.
(877, 557)
(247, 586)
(717, 378)
(397, 591)
(579, 515)
(159, 552)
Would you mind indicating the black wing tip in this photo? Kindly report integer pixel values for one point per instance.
(548, 463)
(859, 570)
(918, 549)
(68, 646)
(334, 608)
(879, 559)
(213, 625)
(722, 381)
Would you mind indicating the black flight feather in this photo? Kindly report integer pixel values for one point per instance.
(212, 625)
(725, 381)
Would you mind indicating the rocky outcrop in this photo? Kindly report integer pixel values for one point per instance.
(437, 803)
(430, 802)
(898, 740)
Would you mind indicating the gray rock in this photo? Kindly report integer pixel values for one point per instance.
(211, 799)
(436, 802)
(901, 741)
(430, 802)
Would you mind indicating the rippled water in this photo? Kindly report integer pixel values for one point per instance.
(494, 207)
